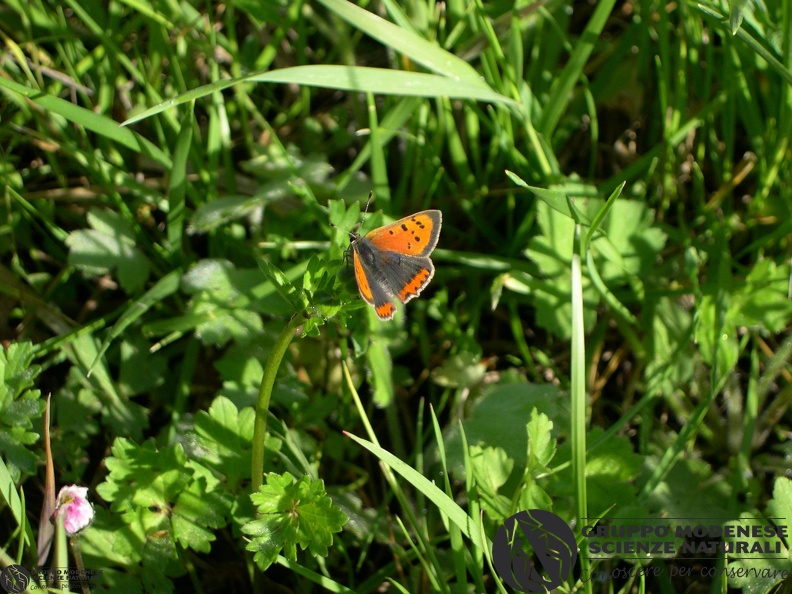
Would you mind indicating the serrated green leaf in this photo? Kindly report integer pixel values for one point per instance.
(166, 495)
(541, 443)
(226, 437)
(534, 497)
(781, 502)
(111, 540)
(159, 475)
(290, 513)
(293, 296)
(768, 570)
(19, 407)
(199, 511)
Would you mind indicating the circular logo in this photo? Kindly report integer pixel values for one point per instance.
(14, 579)
(534, 551)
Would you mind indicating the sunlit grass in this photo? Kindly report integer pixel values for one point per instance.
(130, 261)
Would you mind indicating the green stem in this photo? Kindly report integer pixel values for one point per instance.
(74, 541)
(579, 405)
(265, 393)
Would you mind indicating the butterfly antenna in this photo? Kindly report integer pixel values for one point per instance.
(365, 210)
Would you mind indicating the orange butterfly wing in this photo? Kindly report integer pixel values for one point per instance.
(415, 235)
(361, 278)
(384, 308)
(414, 286)
(397, 261)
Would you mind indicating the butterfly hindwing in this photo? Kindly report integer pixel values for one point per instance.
(373, 286)
(406, 275)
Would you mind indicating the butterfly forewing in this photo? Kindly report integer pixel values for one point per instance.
(415, 235)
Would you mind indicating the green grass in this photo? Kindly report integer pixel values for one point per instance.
(607, 334)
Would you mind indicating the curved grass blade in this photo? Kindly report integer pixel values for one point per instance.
(90, 121)
(348, 78)
(752, 42)
(555, 199)
(600, 216)
(447, 505)
(412, 45)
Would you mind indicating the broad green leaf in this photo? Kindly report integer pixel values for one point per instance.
(491, 467)
(108, 245)
(760, 572)
(763, 301)
(140, 370)
(498, 418)
(552, 253)
(463, 370)
(122, 415)
(631, 242)
(534, 496)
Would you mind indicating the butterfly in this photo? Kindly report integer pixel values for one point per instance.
(393, 260)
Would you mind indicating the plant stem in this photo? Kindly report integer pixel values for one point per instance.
(262, 404)
(579, 405)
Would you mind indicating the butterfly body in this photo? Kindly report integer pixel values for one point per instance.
(393, 261)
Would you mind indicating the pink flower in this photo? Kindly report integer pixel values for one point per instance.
(74, 507)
